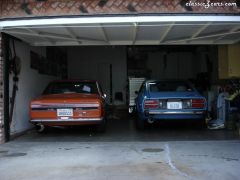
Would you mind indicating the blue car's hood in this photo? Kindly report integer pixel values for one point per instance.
(193, 94)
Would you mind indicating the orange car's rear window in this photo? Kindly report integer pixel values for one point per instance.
(71, 87)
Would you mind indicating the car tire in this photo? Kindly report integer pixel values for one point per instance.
(140, 124)
(101, 127)
(202, 124)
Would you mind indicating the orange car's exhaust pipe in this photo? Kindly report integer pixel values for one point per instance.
(40, 128)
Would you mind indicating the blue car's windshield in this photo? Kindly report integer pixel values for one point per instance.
(166, 86)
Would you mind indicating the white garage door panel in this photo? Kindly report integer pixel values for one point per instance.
(182, 31)
(50, 30)
(221, 28)
(150, 33)
(93, 32)
(119, 33)
(233, 36)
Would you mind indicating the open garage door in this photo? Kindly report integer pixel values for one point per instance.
(133, 30)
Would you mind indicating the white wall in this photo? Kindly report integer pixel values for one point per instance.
(30, 85)
(85, 62)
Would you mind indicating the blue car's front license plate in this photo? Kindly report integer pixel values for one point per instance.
(174, 105)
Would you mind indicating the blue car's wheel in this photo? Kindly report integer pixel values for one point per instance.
(202, 123)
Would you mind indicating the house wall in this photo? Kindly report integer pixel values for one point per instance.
(87, 63)
(30, 85)
(32, 8)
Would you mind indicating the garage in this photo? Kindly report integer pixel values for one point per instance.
(115, 50)
(149, 47)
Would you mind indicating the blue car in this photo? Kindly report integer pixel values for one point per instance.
(171, 99)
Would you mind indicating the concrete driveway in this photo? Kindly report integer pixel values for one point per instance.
(165, 151)
(120, 160)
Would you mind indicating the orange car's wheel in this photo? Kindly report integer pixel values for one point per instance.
(102, 126)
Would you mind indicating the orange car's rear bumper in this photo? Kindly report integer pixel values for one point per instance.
(66, 122)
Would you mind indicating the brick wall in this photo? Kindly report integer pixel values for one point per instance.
(1, 93)
(26, 8)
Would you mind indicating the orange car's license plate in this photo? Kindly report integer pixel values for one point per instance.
(64, 112)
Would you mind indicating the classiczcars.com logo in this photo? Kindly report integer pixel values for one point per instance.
(209, 4)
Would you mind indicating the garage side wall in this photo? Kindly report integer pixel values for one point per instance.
(1, 93)
(30, 85)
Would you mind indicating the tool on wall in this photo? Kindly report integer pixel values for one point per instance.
(15, 68)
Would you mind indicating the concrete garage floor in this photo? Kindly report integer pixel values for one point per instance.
(165, 151)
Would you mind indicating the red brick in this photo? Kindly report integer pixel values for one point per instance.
(39, 5)
(175, 3)
(158, 3)
(9, 7)
(142, 3)
(54, 5)
(94, 3)
(166, 3)
(62, 5)
(109, 3)
(118, 2)
(171, 8)
(126, 3)
(70, 4)
(85, 3)
(150, 3)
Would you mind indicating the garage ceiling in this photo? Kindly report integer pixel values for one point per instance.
(133, 30)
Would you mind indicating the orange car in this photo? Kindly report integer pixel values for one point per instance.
(69, 103)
